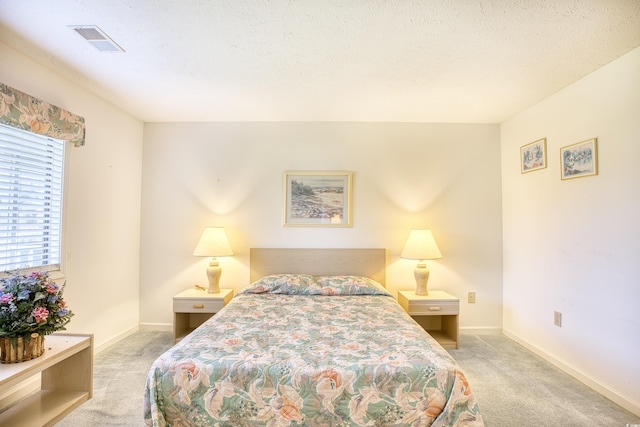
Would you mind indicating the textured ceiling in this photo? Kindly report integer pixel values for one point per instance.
(325, 60)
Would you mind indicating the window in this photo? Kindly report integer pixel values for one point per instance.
(31, 182)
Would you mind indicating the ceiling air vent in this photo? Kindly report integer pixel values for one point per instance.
(98, 38)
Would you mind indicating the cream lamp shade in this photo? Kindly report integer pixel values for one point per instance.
(213, 243)
(421, 246)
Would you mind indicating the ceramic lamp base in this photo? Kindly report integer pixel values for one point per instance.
(421, 273)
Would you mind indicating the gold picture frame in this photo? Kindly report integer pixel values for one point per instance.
(579, 160)
(533, 156)
(317, 198)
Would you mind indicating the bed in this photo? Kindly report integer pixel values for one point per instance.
(314, 340)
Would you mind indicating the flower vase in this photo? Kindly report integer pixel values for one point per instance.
(21, 349)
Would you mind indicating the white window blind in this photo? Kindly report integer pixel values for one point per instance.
(31, 178)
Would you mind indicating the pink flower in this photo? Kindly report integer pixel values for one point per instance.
(6, 298)
(51, 287)
(40, 314)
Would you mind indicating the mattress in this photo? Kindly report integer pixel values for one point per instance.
(302, 350)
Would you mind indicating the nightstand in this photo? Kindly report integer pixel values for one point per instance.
(191, 308)
(437, 313)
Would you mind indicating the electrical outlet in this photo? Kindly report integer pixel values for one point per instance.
(557, 318)
(471, 297)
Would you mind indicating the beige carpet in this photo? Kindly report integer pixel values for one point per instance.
(514, 387)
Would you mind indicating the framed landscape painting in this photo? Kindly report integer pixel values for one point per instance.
(579, 159)
(533, 156)
(317, 199)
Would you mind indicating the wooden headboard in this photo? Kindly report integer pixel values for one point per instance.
(320, 262)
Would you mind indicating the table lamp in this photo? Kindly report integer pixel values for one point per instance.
(213, 243)
(421, 246)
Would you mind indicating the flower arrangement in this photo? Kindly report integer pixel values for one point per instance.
(30, 304)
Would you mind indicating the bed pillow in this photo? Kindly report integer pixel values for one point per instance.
(349, 285)
(289, 284)
(306, 284)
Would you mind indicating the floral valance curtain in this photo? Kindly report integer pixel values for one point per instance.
(23, 111)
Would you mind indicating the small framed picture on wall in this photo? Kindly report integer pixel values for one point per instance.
(580, 159)
(533, 156)
(317, 199)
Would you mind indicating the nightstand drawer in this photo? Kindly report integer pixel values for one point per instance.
(426, 308)
(436, 303)
(197, 306)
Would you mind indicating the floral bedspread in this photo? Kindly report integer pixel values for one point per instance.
(295, 350)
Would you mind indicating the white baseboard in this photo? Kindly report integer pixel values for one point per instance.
(160, 327)
(484, 330)
(104, 345)
(618, 399)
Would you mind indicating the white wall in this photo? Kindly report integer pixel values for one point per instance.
(102, 204)
(573, 246)
(446, 177)
(570, 246)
